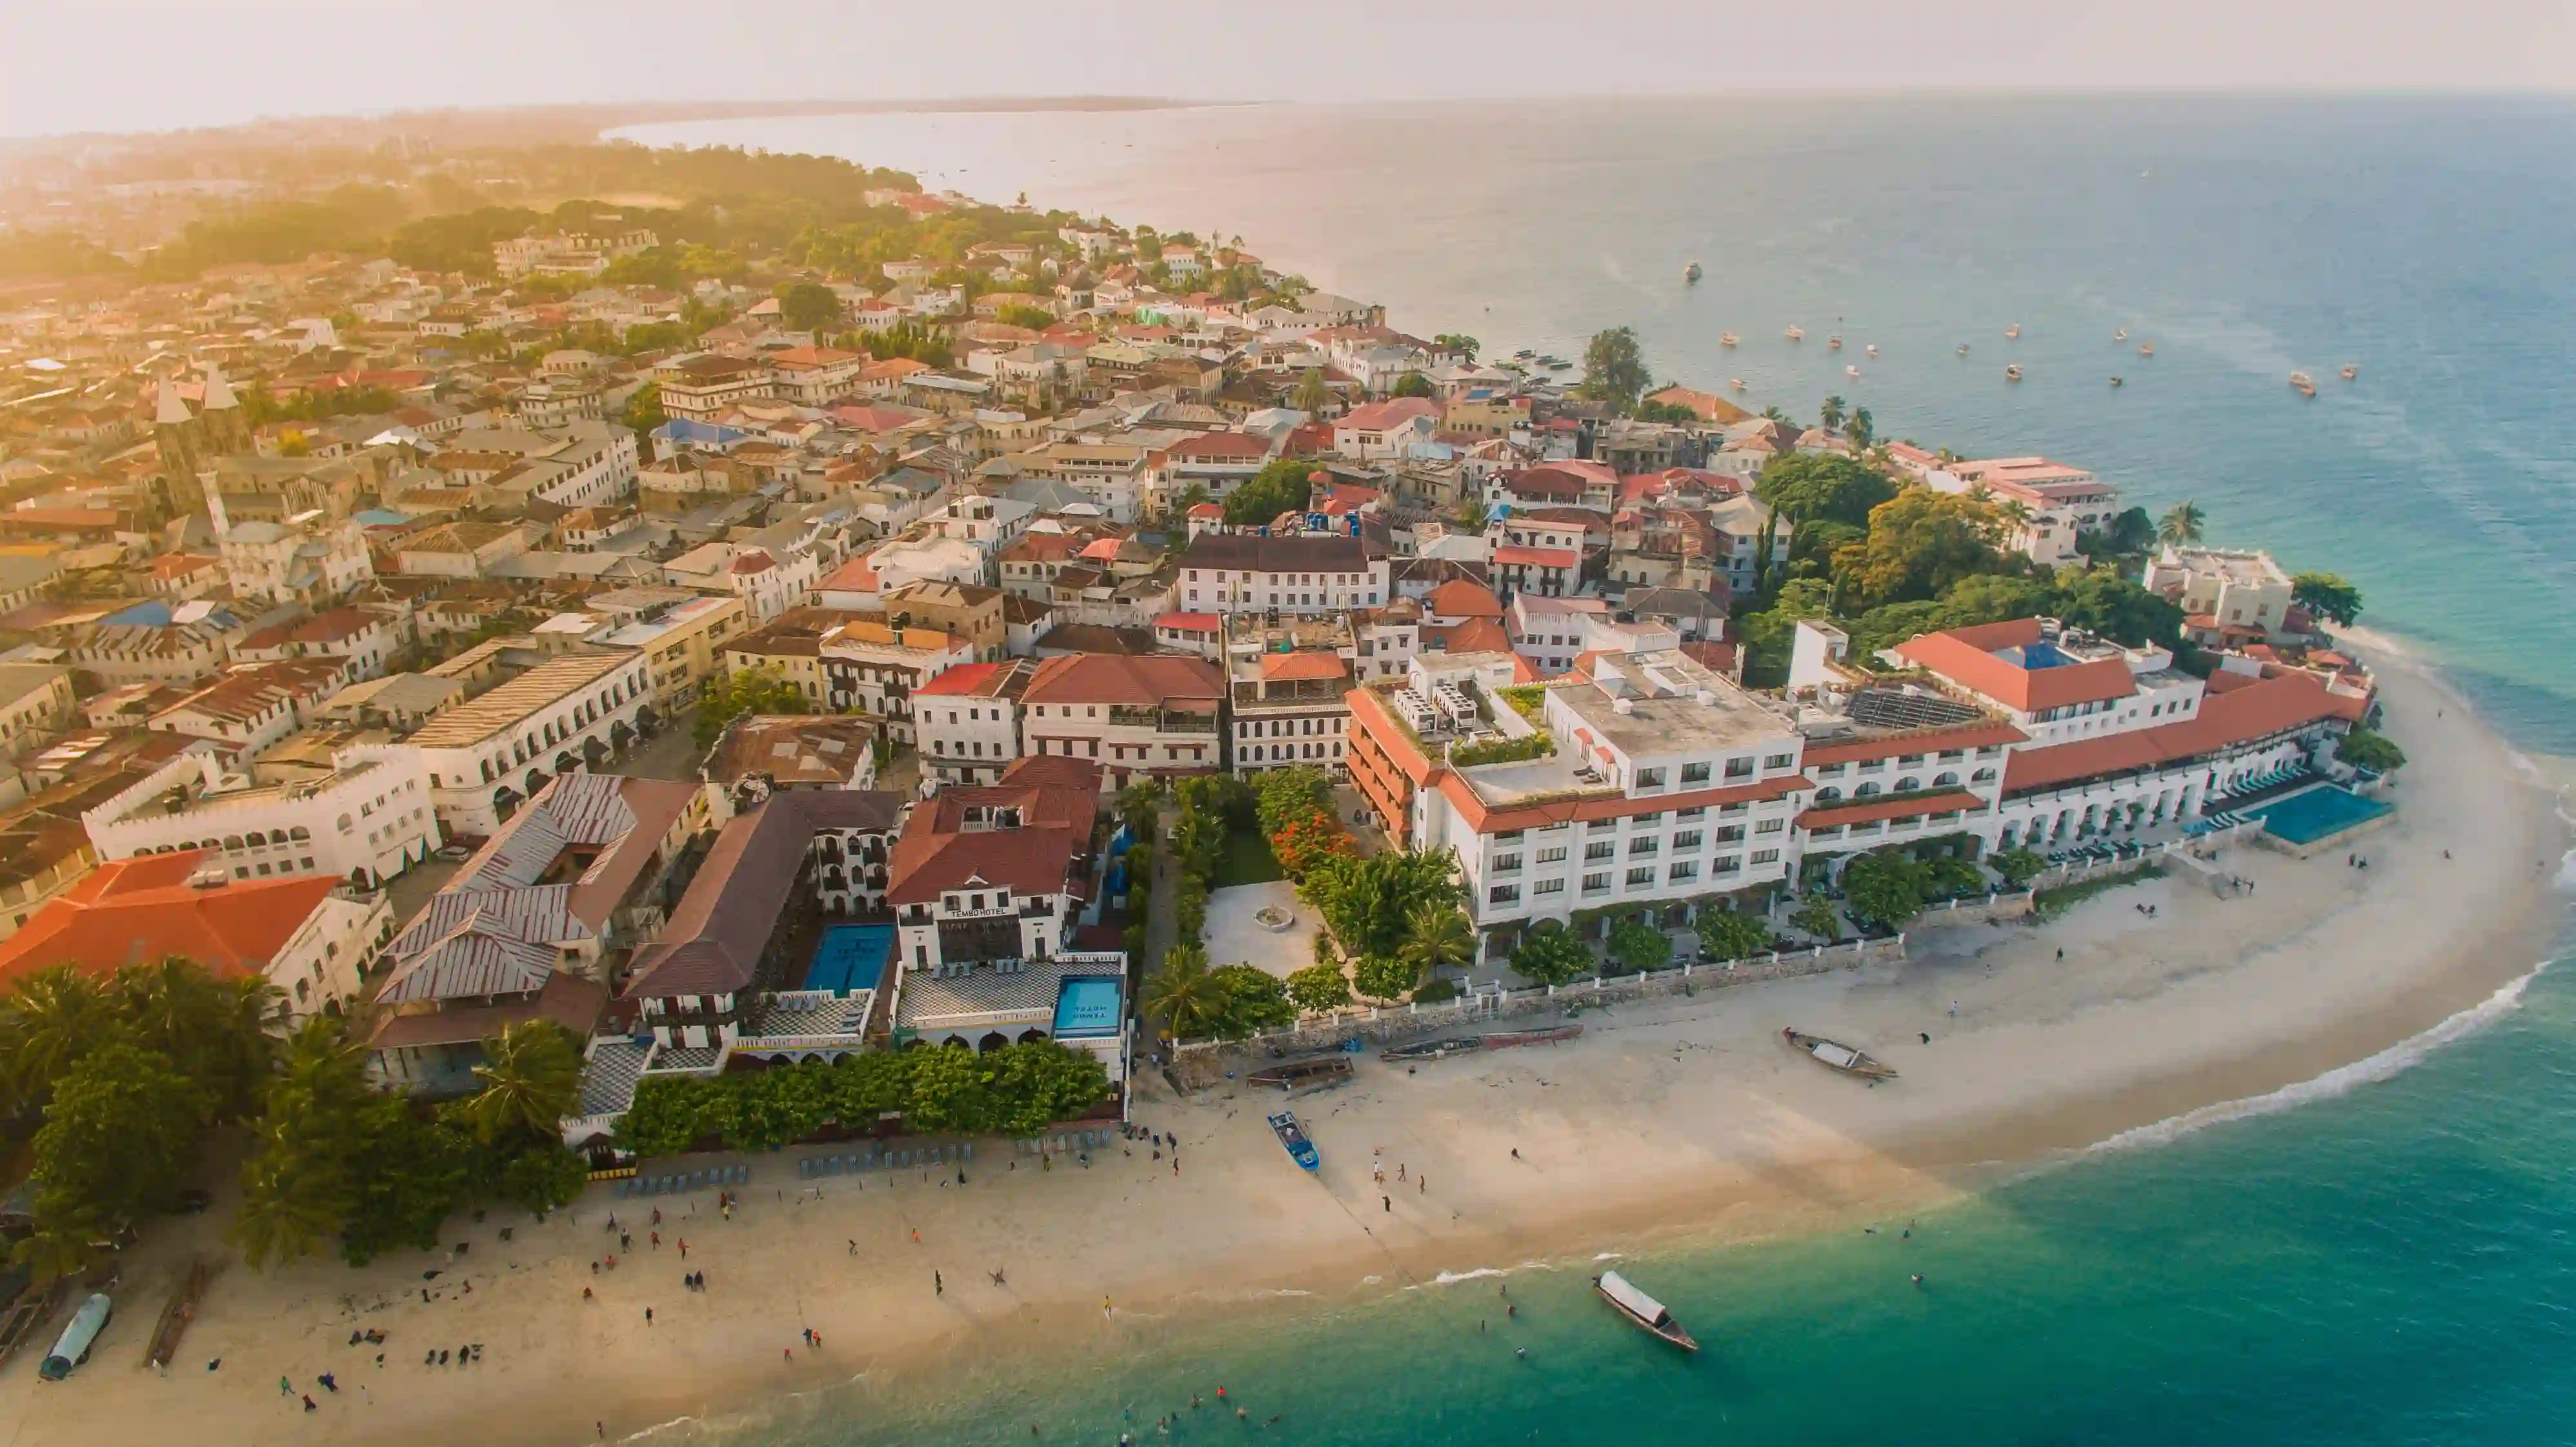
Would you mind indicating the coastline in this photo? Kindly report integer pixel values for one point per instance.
(1675, 1124)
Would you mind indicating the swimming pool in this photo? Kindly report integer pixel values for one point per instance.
(2319, 813)
(1088, 1005)
(849, 957)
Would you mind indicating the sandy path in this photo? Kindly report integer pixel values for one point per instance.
(1680, 1118)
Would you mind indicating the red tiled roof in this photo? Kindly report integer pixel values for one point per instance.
(1966, 656)
(1297, 667)
(1536, 557)
(1476, 635)
(2255, 709)
(1487, 820)
(1379, 416)
(1459, 598)
(964, 680)
(129, 911)
(1113, 678)
(1220, 445)
(1190, 622)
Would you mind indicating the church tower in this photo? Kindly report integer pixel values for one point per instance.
(226, 422)
(180, 439)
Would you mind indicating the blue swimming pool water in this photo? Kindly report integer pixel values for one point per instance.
(1087, 1005)
(849, 957)
(2312, 814)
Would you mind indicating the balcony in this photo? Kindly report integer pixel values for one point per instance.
(1163, 720)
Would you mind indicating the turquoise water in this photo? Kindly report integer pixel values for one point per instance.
(2312, 814)
(2387, 1262)
(848, 957)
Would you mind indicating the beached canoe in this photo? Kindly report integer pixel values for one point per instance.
(1314, 1074)
(1648, 1313)
(1422, 1050)
(1293, 1138)
(1507, 1039)
(1838, 1056)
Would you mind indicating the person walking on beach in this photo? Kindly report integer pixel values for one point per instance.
(285, 1388)
(938, 1284)
(1388, 1202)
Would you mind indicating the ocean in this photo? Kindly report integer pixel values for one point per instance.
(2381, 1256)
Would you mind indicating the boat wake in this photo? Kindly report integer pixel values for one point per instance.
(2342, 1080)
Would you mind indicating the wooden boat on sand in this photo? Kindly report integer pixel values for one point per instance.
(1422, 1050)
(1648, 1313)
(1838, 1056)
(1310, 1074)
(1292, 1138)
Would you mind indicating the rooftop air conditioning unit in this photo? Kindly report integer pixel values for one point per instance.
(209, 879)
(1623, 705)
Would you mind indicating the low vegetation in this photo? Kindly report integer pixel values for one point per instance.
(1014, 1090)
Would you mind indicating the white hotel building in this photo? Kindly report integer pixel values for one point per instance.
(1669, 786)
(370, 820)
(487, 756)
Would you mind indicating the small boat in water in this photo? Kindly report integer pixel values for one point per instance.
(2350, 372)
(2146, 349)
(1691, 274)
(1963, 349)
(1838, 1056)
(2115, 379)
(1873, 349)
(2121, 335)
(1312, 1074)
(1648, 1313)
(2303, 384)
(1727, 339)
(1834, 343)
(2012, 372)
(2013, 333)
(1301, 1150)
(1851, 371)
(1794, 333)
(1736, 382)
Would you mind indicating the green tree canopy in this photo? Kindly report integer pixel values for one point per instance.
(1731, 935)
(1885, 888)
(2327, 595)
(1282, 485)
(1459, 342)
(120, 1130)
(1614, 368)
(1551, 954)
(2183, 525)
(1636, 944)
(1320, 987)
(531, 1080)
(1312, 396)
(1824, 487)
(808, 306)
(1921, 542)
(1255, 1000)
(2370, 749)
(759, 689)
(1411, 384)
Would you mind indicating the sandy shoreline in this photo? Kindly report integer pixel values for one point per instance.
(1668, 1122)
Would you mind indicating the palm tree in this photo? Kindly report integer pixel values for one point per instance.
(1183, 992)
(1861, 430)
(1831, 414)
(1311, 396)
(531, 1080)
(46, 1024)
(1773, 413)
(2182, 524)
(63, 1246)
(1436, 934)
(292, 1201)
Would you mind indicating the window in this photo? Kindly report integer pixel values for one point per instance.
(1982, 776)
(1597, 825)
(1548, 886)
(1503, 894)
(1688, 839)
(1601, 850)
(1650, 778)
(1739, 768)
(1551, 855)
(1595, 883)
(1729, 833)
(1682, 870)
(1867, 790)
(1693, 812)
(1508, 836)
(1828, 794)
(1779, 761)
(1506, 863)
(1908, 784)
(1644, 846)
(1648, 821)
(1770, 826)
(1694, 773)
(1766, 856)
(1729, 865)
(1642, 874)
(1945, 781)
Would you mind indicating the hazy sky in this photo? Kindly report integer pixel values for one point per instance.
(148, 64)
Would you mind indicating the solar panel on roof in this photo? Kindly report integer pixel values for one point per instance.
(1888, 708)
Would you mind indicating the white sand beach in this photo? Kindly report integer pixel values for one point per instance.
(1681, 1118)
